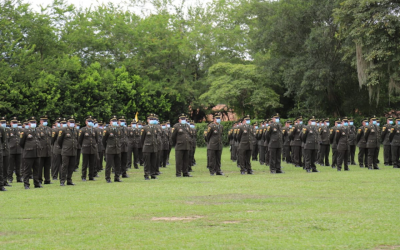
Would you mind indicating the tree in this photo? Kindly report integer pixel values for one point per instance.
(240, 87)
(371, 32)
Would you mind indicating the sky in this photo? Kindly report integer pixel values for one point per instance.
(88, 3)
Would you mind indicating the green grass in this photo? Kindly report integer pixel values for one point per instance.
(358, 209)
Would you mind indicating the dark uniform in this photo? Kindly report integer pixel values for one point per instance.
(15, 151)
(324, 144)
(124, 146)
(274, 137)
(214, 146)
(371, 134)
(164, 144)
(88, 141)
(181, 139)
(2, 141)
(194, 143)
(149, 144)
(394, 139)
(332, 140)
(30, 142)
(56, 166)
(265, 143)
(260, 143)
(342, 141)
(79, 149)
(111, 142)
(296, 142)
(352, 142)
(362, 146)
(286, 143)
(309, 137)
(245, 136)
(6, 150)
(387, 156)
(68, 142)
(45, 151)
(254, 152)
(133, 145)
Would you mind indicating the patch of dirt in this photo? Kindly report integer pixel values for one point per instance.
(176, 218)
(383, 247)
(231, 222)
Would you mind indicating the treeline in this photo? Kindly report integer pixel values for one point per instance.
(295, 57)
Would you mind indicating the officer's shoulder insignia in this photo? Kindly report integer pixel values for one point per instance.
(392, 129)
(21, 135)
(268, 128)
(60, 133)
(384, 128)
(80, 132)
(359, 130)
(366, 129)
(338, 131)
(52, 134)
(209, 128)
(173, 129)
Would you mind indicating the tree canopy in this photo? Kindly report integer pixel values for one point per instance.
(295, 57)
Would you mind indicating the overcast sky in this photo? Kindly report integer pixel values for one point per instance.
(88, 3)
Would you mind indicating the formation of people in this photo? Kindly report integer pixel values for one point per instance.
(308, 145)
(34, 150)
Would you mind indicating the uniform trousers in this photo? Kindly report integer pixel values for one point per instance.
(214, 160)
(68, 167)
(31, 166)
(182, 162)
(113, 160)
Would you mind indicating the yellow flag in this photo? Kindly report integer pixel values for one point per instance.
(136, 116)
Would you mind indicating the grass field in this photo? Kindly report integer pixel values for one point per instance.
(359, 209)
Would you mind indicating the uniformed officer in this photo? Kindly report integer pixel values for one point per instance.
(232, 142)
(266, 143)
(31, 144)
(260, 143)
(149, 144)
(362, 144)
(100, 147)
(56, 166)
(245, 138)
(342, 142)
(68, 141)
(254, 152)
(124, 146)
(309, 137)
(158, 155)
(332, 140)
(15, 151)
(274, 137)
(394, 139)
(296, 142)
(352, 141)
(88, 141)
(324, 143)
(6, 150)
(181, 139)
(44, 152)
(79, 150)
(371, 134)
(2, 141)
(214, 145)
(170, 141)
(133, 142)
(387, 156)
(164, 144)
(286, 142)
(194, 143)
(111, 137)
